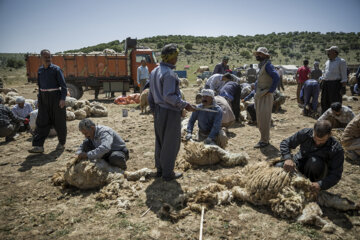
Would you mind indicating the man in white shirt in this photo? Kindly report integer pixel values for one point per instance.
(217, 81)
(334, 79)
(142, 75)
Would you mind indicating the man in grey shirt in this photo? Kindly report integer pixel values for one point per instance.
(166, 104)
(102, 142)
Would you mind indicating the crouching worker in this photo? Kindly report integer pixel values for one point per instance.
(22, 110)
(102, 142)
(209, 121)
(9, 123)
(320, 158)
(351, 139)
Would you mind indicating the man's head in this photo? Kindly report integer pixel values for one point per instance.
(336, 108)
(143, 62)
(20, 101)
(45, 58)
(207, 97)
(261, 54)
(316, 65)
(306, 62)
(169, 53)
(251, 66)
(332, 52)
(322, 132)
(226, 77)
(225, 60)
(87, 127)
(198, 98)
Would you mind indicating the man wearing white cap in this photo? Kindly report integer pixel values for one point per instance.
(22, 110)
(209, 123)
(334, 79)
(266, 83)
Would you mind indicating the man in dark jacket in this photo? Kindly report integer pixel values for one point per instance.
(231, 91)
(320, 158)
(222, 67)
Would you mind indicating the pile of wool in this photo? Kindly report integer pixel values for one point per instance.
(10, 98)
(83, 109)
(7, 90)
(198, 153)
(184, 82)
(137, 175)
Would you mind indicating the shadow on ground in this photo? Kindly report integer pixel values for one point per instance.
(39, 160)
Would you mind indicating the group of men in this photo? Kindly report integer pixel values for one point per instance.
(320, 157)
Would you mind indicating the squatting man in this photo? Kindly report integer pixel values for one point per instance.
(102, 142)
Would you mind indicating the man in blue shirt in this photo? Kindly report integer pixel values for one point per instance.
(231, 91)
(310, 91)
(51, 104)
(209, 123)
(166, 104)
(266, 83)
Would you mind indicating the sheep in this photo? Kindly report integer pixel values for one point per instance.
(202, 69)
(199, 82)
(197, 153)
(144, 100)
(184, 82)
(80, 114)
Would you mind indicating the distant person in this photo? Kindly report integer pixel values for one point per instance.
(351, 139)
(279, 99)
(51, 104)
(251, 74)
(320, 157)
(339, 116)
(22, 110)
(302, 74)
(102, 142)
(217, 81)
(9, 123)
(166, 105)
(222, 67)
(266, 84)
(334, 79)
(316, 73)
(310, 94)
(231, 91)
(281, 74)
(142, 75)
(209, 123)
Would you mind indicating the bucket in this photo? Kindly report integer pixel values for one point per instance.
(124, 112)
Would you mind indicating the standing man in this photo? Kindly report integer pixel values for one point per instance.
(265, 85)
(251, 74)
(142, 75)
(302, 74)
(222, 67)
(166, 104)
(310, 91)
(281, 74)
(51, 104)
(316, 73)
(334, 79)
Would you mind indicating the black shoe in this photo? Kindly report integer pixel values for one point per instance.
(122, 164)
(158, 174)
(175, 175)
(261, 145)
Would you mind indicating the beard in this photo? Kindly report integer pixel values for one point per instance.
(259, 58)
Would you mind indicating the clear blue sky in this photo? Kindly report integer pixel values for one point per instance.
(59, 25)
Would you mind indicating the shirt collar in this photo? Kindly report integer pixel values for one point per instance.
(168, 65)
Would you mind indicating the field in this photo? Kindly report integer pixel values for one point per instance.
(32, 208)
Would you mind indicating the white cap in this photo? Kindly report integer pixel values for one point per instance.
(20, 100)
(335, 48)
(208, 92)
(262, 50)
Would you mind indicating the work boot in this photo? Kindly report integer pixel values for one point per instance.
(60, 146)
(261, 145)
(175, 175)
(36, 149)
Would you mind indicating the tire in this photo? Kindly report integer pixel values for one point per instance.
(75, 90)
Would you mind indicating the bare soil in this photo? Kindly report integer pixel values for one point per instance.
(32, 208)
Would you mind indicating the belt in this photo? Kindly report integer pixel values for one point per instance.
(49, 90)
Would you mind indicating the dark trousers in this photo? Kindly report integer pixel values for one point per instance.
(235, 103)
(251, 110)
(50, 114)
(115, 158)
(330, 93)
(311, 92)
(167, 124)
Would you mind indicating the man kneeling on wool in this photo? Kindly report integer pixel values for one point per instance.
(321, 157)
(209, 123)
(102, 142)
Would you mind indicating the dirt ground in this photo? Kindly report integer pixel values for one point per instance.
(32, 208)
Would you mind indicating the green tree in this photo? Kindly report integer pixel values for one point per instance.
(188, 46)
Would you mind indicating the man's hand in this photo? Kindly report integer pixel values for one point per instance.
(189, 108)
(62, 103)
(82, 155)
(289, 165)
(315, 187)
(188, 136)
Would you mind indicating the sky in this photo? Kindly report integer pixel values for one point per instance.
(60, 25)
